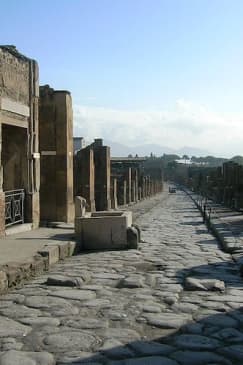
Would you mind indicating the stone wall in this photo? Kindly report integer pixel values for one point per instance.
(19, 91)
(14, 79)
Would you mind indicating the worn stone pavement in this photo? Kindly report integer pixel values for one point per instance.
(175, 301)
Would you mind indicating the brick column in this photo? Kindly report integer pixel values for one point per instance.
(56, 145)
(143, 185)
(84, 177)
(32, 213)
(134, 185)
(129, 184)
(102, 177)
(114, 193)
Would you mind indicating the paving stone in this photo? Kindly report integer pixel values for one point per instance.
(70, 340)
(114, 315)
(58, 306)
(86, 323)
(229, 334)
(102, 303)
(184, 307)
(204, 284)
(10, 343)
(234, 351)
(26, 358)
(3, 281)
(196, 342)
(172, 288)
(199, 358)
(151, 308)
(166, 320)
(114, 349)
(16, 298)
(9, 327)
(79, 357)
(220, 320)
(226, 298)
(122, 334)
(148, 360)
(151, 348)
(131, 282)
(196, 328)
(61, 280)
(75, 294)
(5, 304)
(107, 275)
(18, 311)
(40, 321)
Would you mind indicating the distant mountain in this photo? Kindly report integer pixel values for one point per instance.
(192, 151)
(118, 149)
(121, 150)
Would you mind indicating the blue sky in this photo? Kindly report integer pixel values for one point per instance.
(140, 71)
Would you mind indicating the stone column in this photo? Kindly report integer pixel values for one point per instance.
(151, 187)
(148, 186)
(134, 184)
(102, 177)
(56, 144)
(124, 192)
(143, 185)
(114, 193)
(32, 192)
(128, 174)
(84, 176)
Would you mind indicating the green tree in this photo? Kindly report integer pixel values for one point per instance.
(185, 158)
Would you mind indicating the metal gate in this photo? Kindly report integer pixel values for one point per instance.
(14, 207)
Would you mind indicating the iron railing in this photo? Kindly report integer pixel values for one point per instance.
(14, 207)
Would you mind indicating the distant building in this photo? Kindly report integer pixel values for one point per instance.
(78, 144)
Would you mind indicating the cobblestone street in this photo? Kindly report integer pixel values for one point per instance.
(175, 301)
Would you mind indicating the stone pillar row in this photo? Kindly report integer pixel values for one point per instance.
(104, 191)
(133, 187)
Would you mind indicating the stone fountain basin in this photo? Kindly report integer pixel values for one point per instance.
(103, 230)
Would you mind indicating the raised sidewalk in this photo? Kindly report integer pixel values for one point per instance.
(226, 224)
(25, 254)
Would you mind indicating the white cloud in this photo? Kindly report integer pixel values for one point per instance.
(188, 124)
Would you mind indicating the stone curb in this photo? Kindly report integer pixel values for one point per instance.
(220, 230)
(15, 273)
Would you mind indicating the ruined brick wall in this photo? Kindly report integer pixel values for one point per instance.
(14, 77)
(19, 90)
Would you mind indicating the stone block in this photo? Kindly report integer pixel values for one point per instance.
(51, 252)
(39, 264)
(80, 205)
(63, 250)
(3, 281)
(72, 248)
(17, 272)
(103, 230)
